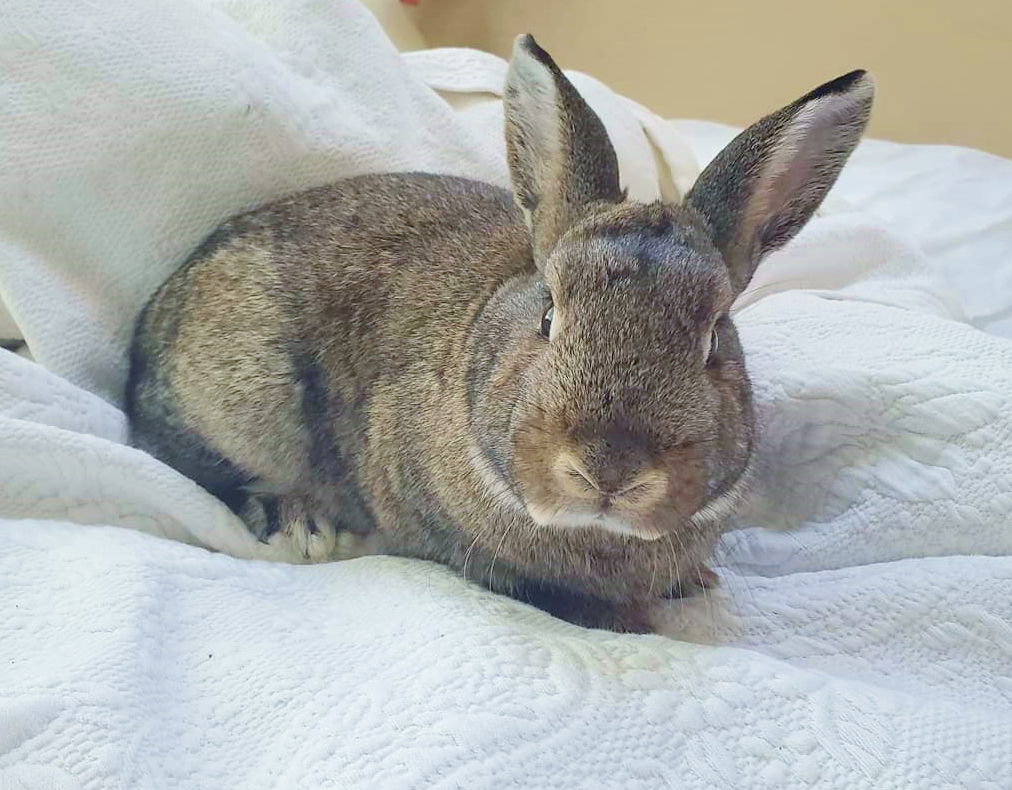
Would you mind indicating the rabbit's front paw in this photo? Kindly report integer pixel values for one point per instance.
(286, 522)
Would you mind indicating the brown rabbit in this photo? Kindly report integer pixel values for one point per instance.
(551, 400)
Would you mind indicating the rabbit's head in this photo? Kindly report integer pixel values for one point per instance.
(624, 403)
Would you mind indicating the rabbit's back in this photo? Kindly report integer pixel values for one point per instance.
(256, 364)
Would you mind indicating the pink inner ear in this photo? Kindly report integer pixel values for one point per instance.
(800, 169)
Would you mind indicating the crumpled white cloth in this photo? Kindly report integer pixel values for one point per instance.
(862, 638)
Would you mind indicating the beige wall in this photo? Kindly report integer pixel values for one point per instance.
(394, 16)
(944, 68)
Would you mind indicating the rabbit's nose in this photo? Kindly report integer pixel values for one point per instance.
(610, 469)
(611, 457)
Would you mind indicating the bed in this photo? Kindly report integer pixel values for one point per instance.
(862, 634)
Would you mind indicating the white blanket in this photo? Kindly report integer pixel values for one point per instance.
(864, 634)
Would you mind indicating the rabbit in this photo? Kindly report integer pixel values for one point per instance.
(542, 390)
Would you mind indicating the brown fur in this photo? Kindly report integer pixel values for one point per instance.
(366, 357)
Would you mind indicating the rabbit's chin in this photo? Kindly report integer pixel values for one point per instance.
(615, 523)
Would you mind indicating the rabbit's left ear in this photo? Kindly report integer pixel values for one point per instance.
(560, 157)
(761, 190)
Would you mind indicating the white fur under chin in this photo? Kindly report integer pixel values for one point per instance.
(569, 520)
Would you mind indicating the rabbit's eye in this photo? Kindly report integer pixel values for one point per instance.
(713, 347)
(546, 321)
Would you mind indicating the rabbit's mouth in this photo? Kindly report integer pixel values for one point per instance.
(615, 486)
(613, 522)
(643, 510)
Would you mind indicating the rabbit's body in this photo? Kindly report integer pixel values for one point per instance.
(348, 390)
(551, 400)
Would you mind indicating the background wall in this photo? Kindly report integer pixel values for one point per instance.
(943, 68)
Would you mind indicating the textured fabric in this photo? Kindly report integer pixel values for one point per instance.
(132, 662)
(862, 637)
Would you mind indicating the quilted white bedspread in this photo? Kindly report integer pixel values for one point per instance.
(863, 634)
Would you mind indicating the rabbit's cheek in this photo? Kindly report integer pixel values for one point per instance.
(687, 480)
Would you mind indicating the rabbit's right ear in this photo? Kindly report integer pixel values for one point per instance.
(560, 157)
